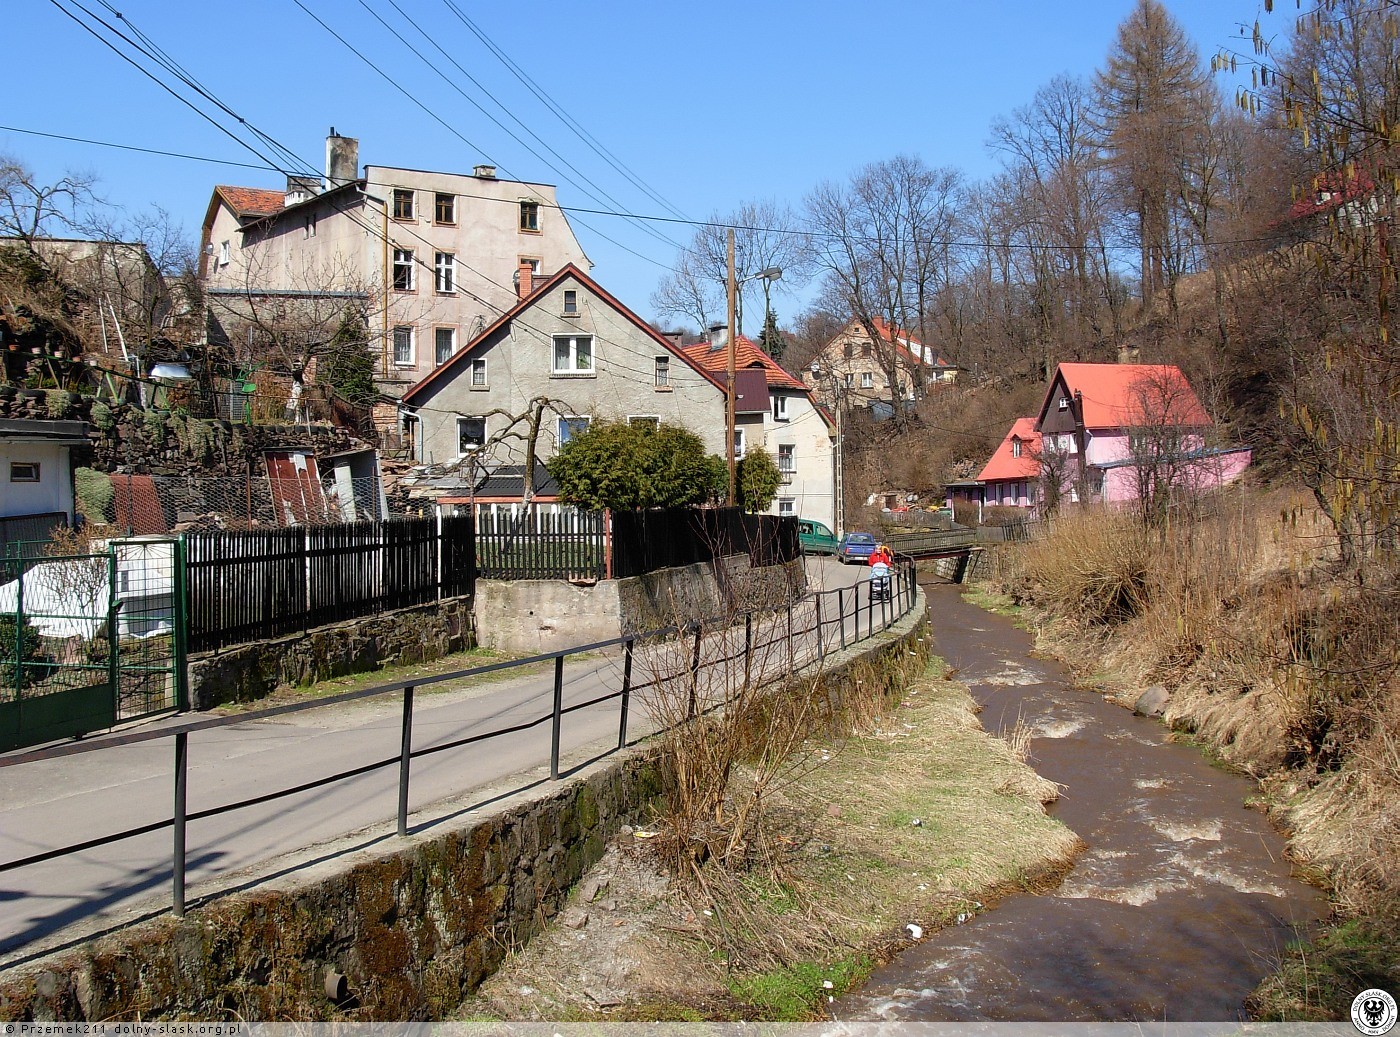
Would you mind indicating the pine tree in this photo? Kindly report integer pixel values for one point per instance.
(770, 339)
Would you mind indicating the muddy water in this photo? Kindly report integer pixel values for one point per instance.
(1174, 913)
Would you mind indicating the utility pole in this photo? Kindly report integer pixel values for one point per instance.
(729, 348)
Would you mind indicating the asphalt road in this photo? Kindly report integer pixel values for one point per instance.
(60, 802)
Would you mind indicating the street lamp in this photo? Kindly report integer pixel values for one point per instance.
(769, 275)
(838, 483)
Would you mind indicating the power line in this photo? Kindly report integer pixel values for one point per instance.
(133, 147)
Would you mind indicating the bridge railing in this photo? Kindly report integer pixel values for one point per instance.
(793, 637)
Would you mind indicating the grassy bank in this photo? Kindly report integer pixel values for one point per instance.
(913, 816)
(1279, 666)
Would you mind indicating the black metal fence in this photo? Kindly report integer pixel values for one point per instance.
(644, 541)
(253, 584)
(801, 634)
(540, 545)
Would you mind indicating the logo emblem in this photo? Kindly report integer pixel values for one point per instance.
(1373, 1012)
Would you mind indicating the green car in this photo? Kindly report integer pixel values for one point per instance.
(816, 539)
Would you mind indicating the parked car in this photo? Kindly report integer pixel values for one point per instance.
(816, 538)
(855, 547)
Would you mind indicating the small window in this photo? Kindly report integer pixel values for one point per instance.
(530, 216)
(308, 229)
(479, 372)
(403, 347)
(663, 372)
(444, 208)
(780, 407)
(403, 203)
(471, 435)
(570, 302)
(787, 457)
(738, 444)
(867, 380)
(571, 427)
(573, 354)
(850, 380)
(865, 350)
(223, 253)
(24, 471)
(1015, 447)
(444, 344)
(787, 506)
(848, 351)
(444, 273)
(1064, 403)
(403, 269)
(651, 421)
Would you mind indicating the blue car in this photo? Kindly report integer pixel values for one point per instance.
(856, 547)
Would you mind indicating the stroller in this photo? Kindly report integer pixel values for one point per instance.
(880, 582)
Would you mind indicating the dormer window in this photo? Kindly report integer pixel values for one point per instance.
(1064, 403)
(1015, 446)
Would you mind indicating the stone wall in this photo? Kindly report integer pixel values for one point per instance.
(413, 928)
(412, 635)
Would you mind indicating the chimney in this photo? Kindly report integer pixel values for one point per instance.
(300, 188)
(524, 279)
(484, 172)
(719, 337)
(674, 337)
(342, 160)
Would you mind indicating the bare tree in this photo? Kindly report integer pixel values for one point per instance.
(1167, 461)
(30, 209)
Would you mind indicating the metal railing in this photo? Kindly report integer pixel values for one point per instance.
(802, 633)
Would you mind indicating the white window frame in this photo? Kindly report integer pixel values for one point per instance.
(1015, 446)
(224, 253)
(478, 378)
(738, 444)
(1064, 403)
(445, 273)
(463, 419)
(572, 367)
(663, 373)
(438, 356)
(788, 451)
(780, 407)
(411, 338)
(867, 380)
(403, 262)
(787, 506)
(565, 430)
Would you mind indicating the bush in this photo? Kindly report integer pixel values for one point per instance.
(1095, 569)
(13, 677)
(93, 492)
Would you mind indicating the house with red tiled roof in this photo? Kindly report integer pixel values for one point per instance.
(569, 354)
(859, 362)
(1116, 421)
(431, 257)
(1010, 475)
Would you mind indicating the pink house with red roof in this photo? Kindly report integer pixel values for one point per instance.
(1113, 426)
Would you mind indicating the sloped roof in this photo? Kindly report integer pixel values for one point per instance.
(1004, 464)
(252, 201)
(1123, 395)
(1332, 190)
(906, 344)
(443, 373)
(746, 354)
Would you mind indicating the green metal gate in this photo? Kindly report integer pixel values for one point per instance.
(88, 641)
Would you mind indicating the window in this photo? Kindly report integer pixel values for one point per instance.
(865, 349)
(533, 262)
(479, 372)
(444, 208)
(444, 273)
(444, 344)
(780, 410)
(651, 421)
(571, 427)
(787, 506)
(223, 253)
(573, 354)
(403, 347)
(24, 471)
(530, 216)
(471, 435)
(1015, 446)
(787, 460)
(848, 351)
(1064, 403)
(850, 380)
(738, 444)
(570, 302)
(308, 229)
(403, 203)
(403, 269)
(663, 372)
(867, 380)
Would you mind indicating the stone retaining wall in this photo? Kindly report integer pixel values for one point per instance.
(412, 635)
(414, 928)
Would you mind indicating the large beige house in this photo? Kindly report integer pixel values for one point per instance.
(432, 257)
(857, 366)
(570, 354)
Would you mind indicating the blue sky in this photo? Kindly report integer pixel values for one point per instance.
(708, 105)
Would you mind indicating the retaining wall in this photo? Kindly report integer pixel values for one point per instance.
(412, 635)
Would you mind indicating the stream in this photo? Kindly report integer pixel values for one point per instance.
(1179, 907)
